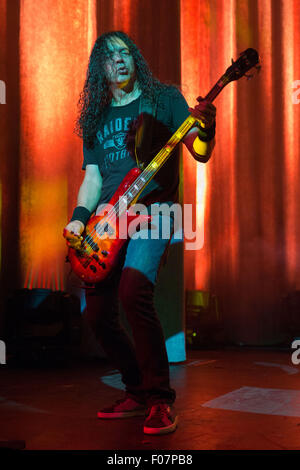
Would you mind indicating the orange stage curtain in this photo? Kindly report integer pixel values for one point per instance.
(250, 258)
(248, 194)
(9, 149)
(55, 41)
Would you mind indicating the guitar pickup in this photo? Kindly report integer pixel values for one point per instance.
(92, 244)
(96, 258)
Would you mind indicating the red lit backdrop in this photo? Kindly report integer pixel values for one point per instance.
(248, 194)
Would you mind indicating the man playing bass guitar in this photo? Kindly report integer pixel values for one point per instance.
(126, 116)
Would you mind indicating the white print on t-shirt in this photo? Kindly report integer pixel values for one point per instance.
(113, 136)
(114, 126)
(118, 141)
(115, 156)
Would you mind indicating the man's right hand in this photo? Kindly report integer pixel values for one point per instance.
(72, 233)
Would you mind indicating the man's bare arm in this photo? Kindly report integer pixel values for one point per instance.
(88, 196)
(200, 139)
(200, 150)
(90, 190)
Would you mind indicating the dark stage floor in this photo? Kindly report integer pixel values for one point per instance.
(227, 399)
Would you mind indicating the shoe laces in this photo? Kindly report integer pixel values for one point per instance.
(121, 400)
(125, 400)
(159, 410)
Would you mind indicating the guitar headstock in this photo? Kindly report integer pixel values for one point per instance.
(248, 59)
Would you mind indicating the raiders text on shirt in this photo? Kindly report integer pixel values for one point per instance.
(112, 138)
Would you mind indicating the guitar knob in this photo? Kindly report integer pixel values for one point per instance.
(103, 265)
(93, 268)
(104, 252)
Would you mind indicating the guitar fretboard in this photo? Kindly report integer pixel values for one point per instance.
(246, 61)
(146, 176)
(132, 194)
(154, 166)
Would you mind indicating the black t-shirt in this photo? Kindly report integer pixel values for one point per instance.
(113, 150)
(110, 151)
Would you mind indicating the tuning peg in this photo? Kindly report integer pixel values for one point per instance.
(258, 68)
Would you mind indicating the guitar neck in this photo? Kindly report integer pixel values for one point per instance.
(154, 166)
(217, 88)
(163, 155)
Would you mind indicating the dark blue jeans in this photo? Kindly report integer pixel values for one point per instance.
(143, 363)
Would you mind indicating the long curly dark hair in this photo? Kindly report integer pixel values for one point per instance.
(96, 94)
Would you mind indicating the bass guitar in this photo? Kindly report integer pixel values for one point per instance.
(101, 241)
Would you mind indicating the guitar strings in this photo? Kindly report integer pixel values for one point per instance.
(114, 212)
(158, 159)
(117, 208)
(186, 124)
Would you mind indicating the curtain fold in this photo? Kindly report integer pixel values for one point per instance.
(250, 258)
(245, 199)
(9, 148)
(53, 51)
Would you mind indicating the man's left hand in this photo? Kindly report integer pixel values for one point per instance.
(204, 112)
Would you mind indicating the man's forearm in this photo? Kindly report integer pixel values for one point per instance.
(200, 150)
(203, 150)
(89, 194)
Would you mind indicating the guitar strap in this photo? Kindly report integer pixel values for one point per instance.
(143, 136)
(143, 141)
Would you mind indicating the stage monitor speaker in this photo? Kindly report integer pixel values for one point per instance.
(203, 323)
(42, 326)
